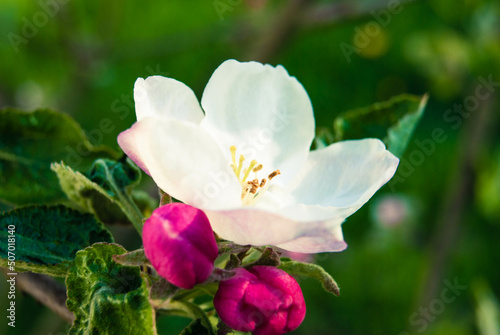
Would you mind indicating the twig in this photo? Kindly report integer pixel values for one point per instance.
(273, 39)
(333, 13)
(46, 290)
(300, 14)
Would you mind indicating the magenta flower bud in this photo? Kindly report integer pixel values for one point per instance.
(180, 244)
(263, 300)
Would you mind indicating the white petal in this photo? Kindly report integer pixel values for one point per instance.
(258, 227)
(343, 176)
(264, 112)
(186, 162)
(166, 98)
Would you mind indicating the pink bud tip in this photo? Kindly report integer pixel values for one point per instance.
(180, 244)
(263, 300)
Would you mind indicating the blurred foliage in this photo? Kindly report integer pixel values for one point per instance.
(36, 241)
(29, 143)
(84, 59)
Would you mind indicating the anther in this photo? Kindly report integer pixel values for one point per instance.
(257, 168)
(251, 190)
(263, 182)
(274, 174)
(254, 183)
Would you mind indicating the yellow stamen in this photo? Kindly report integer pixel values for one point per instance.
(239, 166)
(251, 190)
(233, 156)
(247, 172)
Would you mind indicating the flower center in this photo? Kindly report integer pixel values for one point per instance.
(251, 190)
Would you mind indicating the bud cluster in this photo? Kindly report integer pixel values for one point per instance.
(181, 246)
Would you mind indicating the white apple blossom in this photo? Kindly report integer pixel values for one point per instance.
(244, 158)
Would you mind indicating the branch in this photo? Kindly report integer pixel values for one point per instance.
(274, 38)
(46, 290)
(300, 14)
(333, 13)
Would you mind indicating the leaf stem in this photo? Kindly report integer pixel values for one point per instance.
(125, 202)
(131, 210)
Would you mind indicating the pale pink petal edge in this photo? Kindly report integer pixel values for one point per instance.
(128, 142)
(257, 227)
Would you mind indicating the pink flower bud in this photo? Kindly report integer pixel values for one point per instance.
(263, 300)
(179, 243)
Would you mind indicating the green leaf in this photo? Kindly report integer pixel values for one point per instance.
(194, 312)
(313, 271)
(197, 328)
(106, 191)
(197, 291)
(160, 290)
(48, 237)
(106, 297)
(145, 202)
(392, 121)
(269, 257)
(88, 195)
(29, 142)
(115, 176)
(226, 247)
(133, 258)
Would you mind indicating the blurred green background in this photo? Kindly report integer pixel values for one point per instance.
(435, 225)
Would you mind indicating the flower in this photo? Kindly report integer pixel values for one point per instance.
(262, 300)
(245, 161)
(180, 244)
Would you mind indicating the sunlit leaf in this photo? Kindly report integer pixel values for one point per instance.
(106, 191)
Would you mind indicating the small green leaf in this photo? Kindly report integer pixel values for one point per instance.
(48, 237)
(226, 247)
(133, 258)
(29, 142)
(115, 176)
(160, 290)
(269, 257)
(197, 291)
(313, 271)
(165, 198)
(106, 191)
(106, 297)
(392, 121)
(88, 195)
